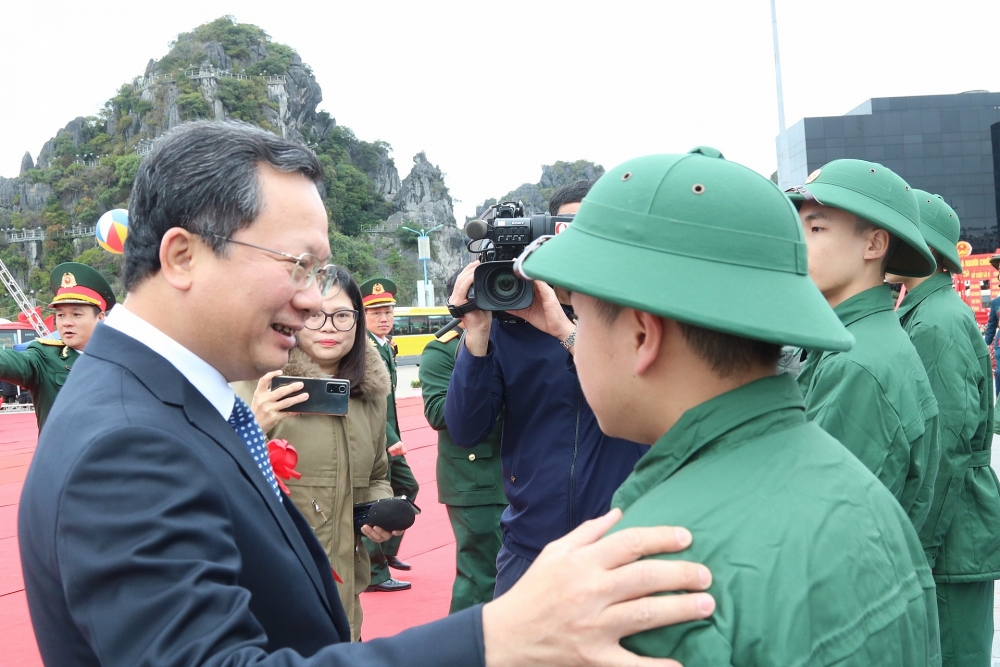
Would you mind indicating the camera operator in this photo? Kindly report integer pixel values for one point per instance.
(559, 469)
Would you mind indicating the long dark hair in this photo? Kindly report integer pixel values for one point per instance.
(352, 367)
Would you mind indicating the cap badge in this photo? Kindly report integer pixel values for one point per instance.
(68, 280)
(813, 176)
(378, 289)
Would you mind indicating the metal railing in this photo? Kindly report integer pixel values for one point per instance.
(140, 85)
(38, 234)
(212, 73)
(22, 302)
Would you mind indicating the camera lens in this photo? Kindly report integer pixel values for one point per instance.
(506, 286)
(503, 287)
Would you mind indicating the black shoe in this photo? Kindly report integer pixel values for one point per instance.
(397, 564)
(388, 586)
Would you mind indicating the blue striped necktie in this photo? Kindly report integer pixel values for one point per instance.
(252, 436)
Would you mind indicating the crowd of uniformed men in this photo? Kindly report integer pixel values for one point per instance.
(848, 516)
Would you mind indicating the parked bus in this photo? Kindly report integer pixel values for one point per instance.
(15, 333)
(413, 328)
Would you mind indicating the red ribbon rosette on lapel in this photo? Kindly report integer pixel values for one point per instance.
(284, 458)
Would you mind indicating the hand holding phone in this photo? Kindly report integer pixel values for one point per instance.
(324, 396)
(270, 407)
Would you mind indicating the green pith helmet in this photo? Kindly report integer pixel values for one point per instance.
(697, 239)
(881, 197)
(75, 283)
(378, 292)
(940, 227)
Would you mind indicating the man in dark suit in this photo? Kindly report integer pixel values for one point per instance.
(152, 531)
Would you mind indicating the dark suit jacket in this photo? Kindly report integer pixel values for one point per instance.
(148, 536)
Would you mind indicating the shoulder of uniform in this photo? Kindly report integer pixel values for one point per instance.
(450, 336)
(49, 341)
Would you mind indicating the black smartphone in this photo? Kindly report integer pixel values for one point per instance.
(326, 397)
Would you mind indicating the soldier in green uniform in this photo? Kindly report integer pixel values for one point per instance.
(963, 528)
(82, 297)
(813, 561)
(468, 480)
(379, 298)
(860, 221)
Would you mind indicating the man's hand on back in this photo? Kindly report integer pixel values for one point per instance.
(583, 594)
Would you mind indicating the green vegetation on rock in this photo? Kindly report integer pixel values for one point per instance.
(88, 167)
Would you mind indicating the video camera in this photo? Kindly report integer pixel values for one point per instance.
(498, 237)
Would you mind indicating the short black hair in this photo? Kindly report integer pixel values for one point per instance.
(353, 366)
(569, 194)
(449, 285)
(204, 177)
(725, 353)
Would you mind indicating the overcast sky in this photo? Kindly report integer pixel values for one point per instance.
(493, 90)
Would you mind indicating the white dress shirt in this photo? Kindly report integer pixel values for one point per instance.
(200, 373)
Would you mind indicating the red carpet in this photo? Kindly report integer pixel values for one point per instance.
(18, 433)
(429, 546)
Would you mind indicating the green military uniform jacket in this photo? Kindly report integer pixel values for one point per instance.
(875, 399)
(813, 562)
(392, 424)
(42, 369)
(465, 477)
(965, 516)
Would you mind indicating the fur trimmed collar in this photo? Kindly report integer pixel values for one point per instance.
(375, 384)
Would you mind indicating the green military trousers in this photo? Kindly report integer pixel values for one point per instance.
(477, 542)
(966, 615)
(403, 484)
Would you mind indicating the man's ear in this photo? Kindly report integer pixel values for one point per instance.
(878, 244)
(178, 248)
(100, 316)
(648, 332)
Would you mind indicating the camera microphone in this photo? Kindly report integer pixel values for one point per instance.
(476, 229)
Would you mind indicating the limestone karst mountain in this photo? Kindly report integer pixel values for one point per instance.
(222, 69)
(535, 196)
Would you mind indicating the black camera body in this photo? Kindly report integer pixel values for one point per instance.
(502, 235)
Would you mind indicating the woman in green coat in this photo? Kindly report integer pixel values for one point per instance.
(342, 460)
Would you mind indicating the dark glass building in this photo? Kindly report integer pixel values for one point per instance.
(944, 144)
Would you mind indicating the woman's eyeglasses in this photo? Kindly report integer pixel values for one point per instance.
(343, 320)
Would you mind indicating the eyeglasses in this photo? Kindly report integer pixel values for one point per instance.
(307, 267)
(343, 320)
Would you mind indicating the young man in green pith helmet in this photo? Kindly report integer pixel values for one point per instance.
(963, 527)
(379, 298)
(860, 220)
(82, 296)
(813, 561)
